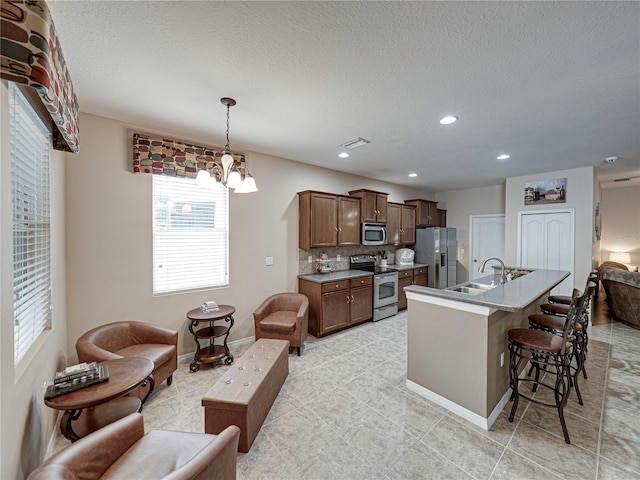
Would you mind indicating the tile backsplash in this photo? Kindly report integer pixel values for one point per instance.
(304, 267)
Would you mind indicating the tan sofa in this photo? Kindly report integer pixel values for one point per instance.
(622, 289)
(132, 339)
(122, 451)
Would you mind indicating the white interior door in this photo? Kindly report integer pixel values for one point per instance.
(545, 240)
(487, 240)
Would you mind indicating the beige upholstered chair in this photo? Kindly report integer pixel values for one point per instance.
(122, 451)
(283, 316)
(132, 339)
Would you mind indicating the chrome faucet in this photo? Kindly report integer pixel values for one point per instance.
(503, 277)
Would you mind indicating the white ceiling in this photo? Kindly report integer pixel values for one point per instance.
(555, 84)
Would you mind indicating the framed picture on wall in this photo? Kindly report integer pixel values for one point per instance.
(545, 191)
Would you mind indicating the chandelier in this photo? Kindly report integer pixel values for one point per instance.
(230, 173)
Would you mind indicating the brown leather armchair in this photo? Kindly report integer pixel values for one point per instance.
(122, 450)
(283, 316)
(132, 339)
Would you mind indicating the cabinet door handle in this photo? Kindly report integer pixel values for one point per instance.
(348, 300)
(339, 230)
(352, 299)
(336, 229)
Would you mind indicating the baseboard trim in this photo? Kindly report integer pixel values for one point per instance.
(465, 413)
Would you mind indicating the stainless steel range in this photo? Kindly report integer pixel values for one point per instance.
(385, 285)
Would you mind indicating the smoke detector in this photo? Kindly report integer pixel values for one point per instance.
(610, 159)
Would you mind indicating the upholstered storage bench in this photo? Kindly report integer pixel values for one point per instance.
(245, 393)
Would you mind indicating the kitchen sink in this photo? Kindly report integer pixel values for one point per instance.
(480, 286)
(472, 288)
(468, 290)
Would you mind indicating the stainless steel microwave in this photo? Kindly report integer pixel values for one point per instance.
(374, 234)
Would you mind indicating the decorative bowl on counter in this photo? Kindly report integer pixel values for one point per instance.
(324, 269)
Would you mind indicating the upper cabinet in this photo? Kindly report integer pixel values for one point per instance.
(426, 212)
(328, 220)
(400, 224)
(442, 218)
(373, 205)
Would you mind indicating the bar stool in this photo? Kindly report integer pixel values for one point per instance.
(560, 310)
(548, 353)
(555, 325)
(566, 299)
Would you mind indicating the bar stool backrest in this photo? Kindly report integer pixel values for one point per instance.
(577, 306)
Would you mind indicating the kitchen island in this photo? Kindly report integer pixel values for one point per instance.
(457, 353)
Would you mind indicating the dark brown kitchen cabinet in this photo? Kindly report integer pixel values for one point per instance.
(328, 220)
(415, 276)
(426, 212)
(405, 279)
(400, 224)
(408, 225)
(442, 217)
(373, 205)
(337, 305)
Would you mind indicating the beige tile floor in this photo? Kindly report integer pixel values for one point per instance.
(344, 413)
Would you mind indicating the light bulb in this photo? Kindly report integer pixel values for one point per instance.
(234, 179)
(203, 177)
(249, 185)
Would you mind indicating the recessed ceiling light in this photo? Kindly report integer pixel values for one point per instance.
(448, 120)
(343, 154)
(504, 156)
(413, 175)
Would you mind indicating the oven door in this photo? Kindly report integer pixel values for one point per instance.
(385, 289)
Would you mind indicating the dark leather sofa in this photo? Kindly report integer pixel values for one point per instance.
(622, 289)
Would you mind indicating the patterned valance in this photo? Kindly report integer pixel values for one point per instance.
(163, 156)
(31, 56)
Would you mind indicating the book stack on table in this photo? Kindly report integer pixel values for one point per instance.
(210, 306)
(76, 377)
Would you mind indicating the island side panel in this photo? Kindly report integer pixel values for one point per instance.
(447, 353)
(500, 322)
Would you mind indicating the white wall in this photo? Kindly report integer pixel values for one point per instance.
(109, 235)
(27, 425)
(621, 222)
(460, 204)
(580, 197)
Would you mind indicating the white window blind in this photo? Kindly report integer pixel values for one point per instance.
(190, 235)
(29, 140)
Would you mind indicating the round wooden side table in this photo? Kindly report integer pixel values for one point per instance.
(210, 352)
(98, 405)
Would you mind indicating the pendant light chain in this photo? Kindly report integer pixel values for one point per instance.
(227, 145)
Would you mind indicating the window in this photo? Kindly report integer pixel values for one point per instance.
(29, 142)
(190, 235)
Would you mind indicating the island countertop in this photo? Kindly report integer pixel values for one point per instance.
(513, 296)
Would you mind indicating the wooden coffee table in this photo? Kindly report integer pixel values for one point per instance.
(93, 407)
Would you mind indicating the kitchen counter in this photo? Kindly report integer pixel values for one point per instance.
(403, 267)
(337, 275)
(457, 344)
(513, 296)
(334, 276)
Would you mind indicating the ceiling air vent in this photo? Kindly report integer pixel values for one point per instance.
(622, 180)
(356, 142)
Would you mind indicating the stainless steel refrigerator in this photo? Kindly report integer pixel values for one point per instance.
(437, 247)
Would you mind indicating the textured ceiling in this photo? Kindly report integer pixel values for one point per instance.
(556, 85)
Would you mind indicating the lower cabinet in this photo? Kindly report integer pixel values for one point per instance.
(416, 276)
(337, 305)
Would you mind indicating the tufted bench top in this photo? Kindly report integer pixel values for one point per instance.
(244, 395)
